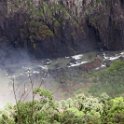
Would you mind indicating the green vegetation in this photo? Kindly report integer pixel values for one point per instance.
(110, 80)
(44, 21)
(78, 110)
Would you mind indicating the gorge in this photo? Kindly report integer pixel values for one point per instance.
(63, 37)
(55, 28)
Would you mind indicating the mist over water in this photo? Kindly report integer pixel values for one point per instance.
(15, 64)
(61, 78)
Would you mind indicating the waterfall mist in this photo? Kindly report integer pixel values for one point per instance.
(15, 67)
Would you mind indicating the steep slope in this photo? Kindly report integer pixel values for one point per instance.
(58, 28)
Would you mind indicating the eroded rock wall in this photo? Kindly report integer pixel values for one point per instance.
(60, 28)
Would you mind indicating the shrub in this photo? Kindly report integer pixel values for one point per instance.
(78, 110)
(72, 116)
(114, 111)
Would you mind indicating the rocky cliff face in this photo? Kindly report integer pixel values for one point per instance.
(3, 12)
(59, 28)
(108, 21)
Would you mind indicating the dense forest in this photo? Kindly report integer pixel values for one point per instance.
(79, 110)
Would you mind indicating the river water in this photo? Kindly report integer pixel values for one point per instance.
(43, 73)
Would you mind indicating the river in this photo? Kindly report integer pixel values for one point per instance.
(48, 73)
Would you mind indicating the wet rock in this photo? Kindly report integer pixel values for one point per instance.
(74, 27)
(108, 23)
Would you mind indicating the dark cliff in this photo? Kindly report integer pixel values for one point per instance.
(59, 28)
